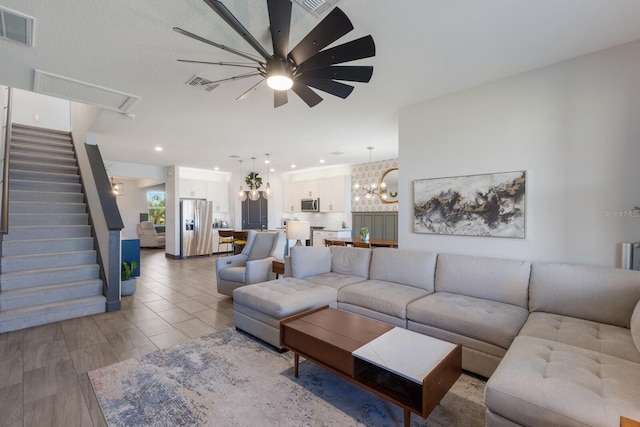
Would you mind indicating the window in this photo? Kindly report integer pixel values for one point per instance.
(156, 206)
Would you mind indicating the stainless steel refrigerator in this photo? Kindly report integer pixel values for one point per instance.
(196, 228)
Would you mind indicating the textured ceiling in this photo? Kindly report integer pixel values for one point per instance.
(425, 49)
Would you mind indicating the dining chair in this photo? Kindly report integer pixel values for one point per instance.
(338, 243)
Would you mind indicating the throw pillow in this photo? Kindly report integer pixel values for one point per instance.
(635, 326)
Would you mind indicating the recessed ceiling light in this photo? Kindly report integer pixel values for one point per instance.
(216, 168)
(272, 170)
(321, 160)
(293, 166)
(157, 148)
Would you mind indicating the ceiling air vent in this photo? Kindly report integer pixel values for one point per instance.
(16, 27)
(197, 81)
(316, 7)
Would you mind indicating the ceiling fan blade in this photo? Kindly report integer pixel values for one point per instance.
(241, 76)
(363, 47)
(280, 24)
(334, 88)
(252, 89)
(227, 64)
(214, 44)
(279, 98)
(231, 20)
(335, 25)
(308, 96)
(359, 73)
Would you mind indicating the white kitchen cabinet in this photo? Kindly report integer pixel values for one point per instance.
(319, 236)
(309, 189)
(335, 194)
(218, 194)
(291, 201)
(193, 189)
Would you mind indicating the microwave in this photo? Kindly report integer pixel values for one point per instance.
(310, 205)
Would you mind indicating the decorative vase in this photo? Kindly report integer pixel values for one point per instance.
(127, 287)
(365, 237)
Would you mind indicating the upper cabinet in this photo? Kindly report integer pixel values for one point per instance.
(335, 194)
(218, 194)
(193, 189)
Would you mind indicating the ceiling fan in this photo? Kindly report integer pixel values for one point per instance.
(307, 65)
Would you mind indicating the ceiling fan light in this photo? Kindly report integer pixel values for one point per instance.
(279, 82)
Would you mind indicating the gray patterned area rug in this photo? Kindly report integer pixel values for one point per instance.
(230, 379)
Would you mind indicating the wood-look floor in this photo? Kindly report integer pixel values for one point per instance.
(43, 370)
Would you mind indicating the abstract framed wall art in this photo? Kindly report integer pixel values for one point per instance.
(475, 205)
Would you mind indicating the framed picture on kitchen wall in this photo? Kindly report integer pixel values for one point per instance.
(490, 205)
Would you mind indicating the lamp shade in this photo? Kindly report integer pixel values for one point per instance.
(298, 230)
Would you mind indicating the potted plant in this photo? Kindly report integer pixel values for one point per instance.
(127, 283)
(364, 234)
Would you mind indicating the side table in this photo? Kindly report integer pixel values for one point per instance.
(278, 268)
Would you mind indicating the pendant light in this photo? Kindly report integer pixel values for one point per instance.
(254, 194)
(267, 193)
(242, 196)
(368, 190)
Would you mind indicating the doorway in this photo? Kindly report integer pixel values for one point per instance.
(255, 214)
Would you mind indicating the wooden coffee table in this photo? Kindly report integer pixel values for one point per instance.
(409, 369)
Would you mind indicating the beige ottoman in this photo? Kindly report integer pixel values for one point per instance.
(258, 309)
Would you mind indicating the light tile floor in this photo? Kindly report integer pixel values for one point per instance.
(43, 370)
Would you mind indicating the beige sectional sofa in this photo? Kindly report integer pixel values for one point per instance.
(555, 340)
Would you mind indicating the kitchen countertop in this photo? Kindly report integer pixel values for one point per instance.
(334, 230)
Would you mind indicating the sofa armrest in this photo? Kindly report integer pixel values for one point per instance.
(230, 261)
(259, 270)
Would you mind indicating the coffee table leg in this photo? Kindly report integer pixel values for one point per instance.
(407, 417)
(296, 359)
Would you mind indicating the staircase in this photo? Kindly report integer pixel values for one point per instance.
(48, 268)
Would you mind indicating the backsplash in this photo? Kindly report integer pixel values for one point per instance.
(368, 173)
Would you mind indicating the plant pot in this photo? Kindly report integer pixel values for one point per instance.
(127, 287)
(365, 237)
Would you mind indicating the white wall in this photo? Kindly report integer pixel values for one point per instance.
(34, 109)
(131, 203)
(574, 127)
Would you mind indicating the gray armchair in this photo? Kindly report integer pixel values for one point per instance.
(253, 264)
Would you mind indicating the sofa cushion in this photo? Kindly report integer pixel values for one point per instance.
(604, 295)
(283, 297)
(310, 261)
(600, 337)
(635, 326)
(334, 280)
(501, 280)
(406, 267)
(541, 382)
(385, 297)
(490, 321)
(350, 261)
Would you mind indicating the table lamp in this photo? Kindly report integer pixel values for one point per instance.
(298, 230)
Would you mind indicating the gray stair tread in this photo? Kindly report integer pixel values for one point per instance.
(25, 291)
(47, 255)
(51, 270)
(18, 312)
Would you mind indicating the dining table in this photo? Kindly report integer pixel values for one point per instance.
(376, 243)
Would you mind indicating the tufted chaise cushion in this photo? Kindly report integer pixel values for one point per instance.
(600, 337)
(541, 382)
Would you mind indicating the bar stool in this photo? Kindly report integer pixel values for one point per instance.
(239, 240)
(357, 244)
(225, 237)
